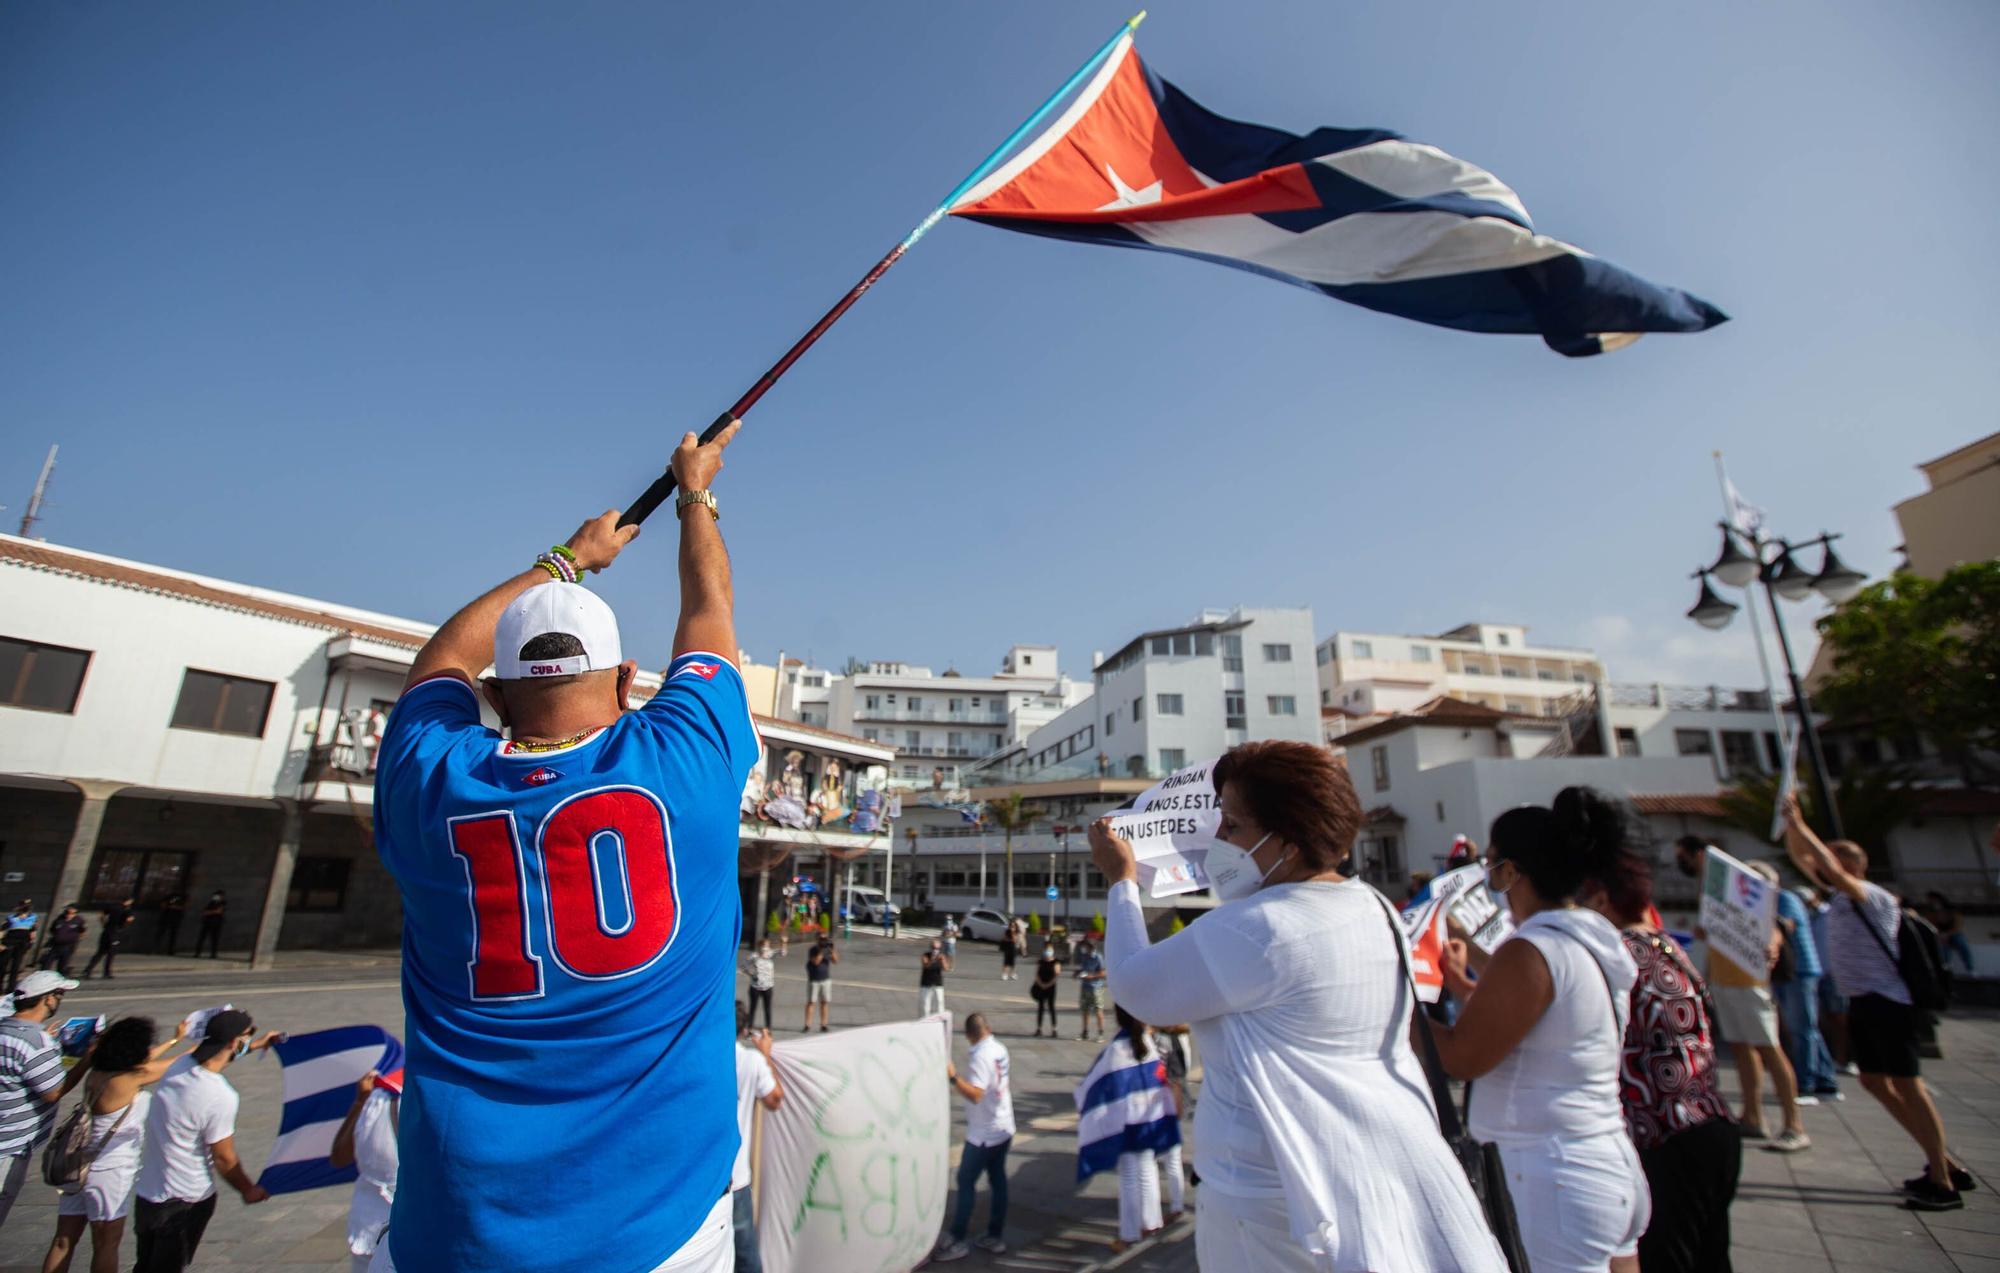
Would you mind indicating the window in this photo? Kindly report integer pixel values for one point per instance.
(1172, 758)
(1516, 705)
(1139, 708)
(46, 678)
(1474, 669)
(319, 884)
(1364, 649)
(1277, 653)
(955, 741)
(1694, 742)
(1501, 638)
(912, 739)
(1161, 645)
(1204, 644)
(1378, 760)
(1168, 704)
(146, 875)
(1543, 674)
(874, 702)
(1322, 656)
(954, 705)
(916, 703)
(1281, 705)
(1739, 751)
(1579, 678)
(1232, 652)
(1232, 710)
(1110, 723)
(1420, 654)
(869, 735)
(1326, 698)
(1512, 674)
(223, 704)
(909, 771)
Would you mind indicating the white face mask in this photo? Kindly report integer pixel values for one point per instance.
(1232, 871)
(1499, 895)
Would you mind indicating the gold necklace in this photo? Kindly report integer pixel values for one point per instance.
(571, 741)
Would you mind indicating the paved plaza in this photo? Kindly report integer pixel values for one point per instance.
(1831, 1208)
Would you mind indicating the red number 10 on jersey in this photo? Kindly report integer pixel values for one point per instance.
(608, 901)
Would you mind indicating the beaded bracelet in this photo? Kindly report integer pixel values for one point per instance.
(553, 572)
(563, 551)
(558, 567)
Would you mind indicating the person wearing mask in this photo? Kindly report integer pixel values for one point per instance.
(1090, 989)
(64, 937)
(763, 974)
(1010, 950)
(190, 1140)
(756, 1084)
(124, 1062)
(167, 928)
(1297, 991)
(1798, 996)
(989, 1131)
(1126, 1121)
(212, 915)
(32, 1082)
(19, 939)
(1543, 1030)
(820, 960)
(934, 964)
(1043, 989)
(366, 1140)
(1746, 1016)
(109, 938)
(1862, 937)
(1679, 1120)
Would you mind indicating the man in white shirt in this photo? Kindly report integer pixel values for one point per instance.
(367, 1141)
(756, 1083)
(989, 1131)
(190, 1139)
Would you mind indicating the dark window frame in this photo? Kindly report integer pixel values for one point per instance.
(93, 898)
(229, 682)
(10, 696)
(298, 893)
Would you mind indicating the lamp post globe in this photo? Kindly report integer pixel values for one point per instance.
(1710, 610)
(1837, 581)
(1734, 567)
(1788, 578)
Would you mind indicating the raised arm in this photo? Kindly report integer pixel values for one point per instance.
(463, 647)
(1814, 860)
(708, 603)
(342, 1153)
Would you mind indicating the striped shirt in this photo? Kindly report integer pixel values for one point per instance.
(28, 1072)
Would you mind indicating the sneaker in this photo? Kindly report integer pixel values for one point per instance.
(1806, 1098)
(1789, 1142)
(1927, 1196)
(947, 1251)
(990, 1243)
(1849, 1067)
(1961, 1180)
(1828, 1094)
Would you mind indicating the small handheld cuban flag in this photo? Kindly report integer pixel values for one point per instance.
(321, 1070)
(1360, 215)
(1123, 1105)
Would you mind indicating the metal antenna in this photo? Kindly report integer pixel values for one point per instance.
(34, 513)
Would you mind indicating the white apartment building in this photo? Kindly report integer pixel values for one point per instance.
(939, 724)
(1492, 664)
(163, 732)
(1174, 696)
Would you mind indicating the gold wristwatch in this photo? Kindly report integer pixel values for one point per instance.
(706, 498)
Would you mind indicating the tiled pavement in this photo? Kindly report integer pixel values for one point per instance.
(1828, 1209)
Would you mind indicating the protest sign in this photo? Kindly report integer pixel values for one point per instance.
(1421, 925)
(1736, 913)
(1172, 826)
(853, 1168)
(197, 1021)
(1485, 922)
(77, 1034)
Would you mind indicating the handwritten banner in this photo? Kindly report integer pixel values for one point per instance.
(853, 1168)
(1737, 911)
(1172, 826)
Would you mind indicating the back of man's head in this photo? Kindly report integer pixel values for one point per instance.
(975, 1027)
(1852, 857)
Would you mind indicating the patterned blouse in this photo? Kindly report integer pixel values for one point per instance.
(1667, 1075)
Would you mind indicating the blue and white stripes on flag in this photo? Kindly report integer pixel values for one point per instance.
(321, 1070)
(1123, 1105)
(1361, 215)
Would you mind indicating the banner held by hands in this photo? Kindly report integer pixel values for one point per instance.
(663, 486)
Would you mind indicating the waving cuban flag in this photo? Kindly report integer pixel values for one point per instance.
(1358, 214)
(1123, 1105)
(321, 1070)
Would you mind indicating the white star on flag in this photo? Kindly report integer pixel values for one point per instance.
(1127, 196)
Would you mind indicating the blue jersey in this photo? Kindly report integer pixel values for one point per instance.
(570, 921)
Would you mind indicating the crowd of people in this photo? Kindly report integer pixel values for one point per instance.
(67, 928)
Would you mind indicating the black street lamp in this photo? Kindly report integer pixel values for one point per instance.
(1062, 839)
(1773, 563)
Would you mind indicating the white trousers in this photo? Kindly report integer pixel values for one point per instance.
(1138, 1195)
(1249, 1235)
(930, 1001)
(712, 1249)
(1170, 1163)
(1579, 1202)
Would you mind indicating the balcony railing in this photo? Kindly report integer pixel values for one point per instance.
(930, 714)
(1692, 698)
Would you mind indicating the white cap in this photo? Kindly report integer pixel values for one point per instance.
(568, 608)
(40, 983)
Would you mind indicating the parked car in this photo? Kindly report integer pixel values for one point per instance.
(868, 904)
(983, 924)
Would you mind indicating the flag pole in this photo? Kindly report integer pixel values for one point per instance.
(1787, 744)
(663, 485)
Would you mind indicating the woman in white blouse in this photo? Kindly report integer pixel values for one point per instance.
(1315, 1137)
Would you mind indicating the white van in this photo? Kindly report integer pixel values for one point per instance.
(868, 904)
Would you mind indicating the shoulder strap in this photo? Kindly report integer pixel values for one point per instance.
(1862, 915)
(123, 1114)
(1447, 1113)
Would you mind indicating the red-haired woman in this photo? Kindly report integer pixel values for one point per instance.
(1310, 1134)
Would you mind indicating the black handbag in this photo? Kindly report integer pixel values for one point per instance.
(1918, 958)
(1480, 1160)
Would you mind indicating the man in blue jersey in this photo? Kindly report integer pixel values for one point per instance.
(571, 918)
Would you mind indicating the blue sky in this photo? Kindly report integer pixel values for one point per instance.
(372, 301)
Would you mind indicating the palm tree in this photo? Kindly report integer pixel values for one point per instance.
(1873, 802)
(1009, 815)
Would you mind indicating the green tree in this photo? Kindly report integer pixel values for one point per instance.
(1916, 656)
(1872, 803)
(1010, 815)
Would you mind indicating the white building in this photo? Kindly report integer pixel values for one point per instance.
(1492, 664)
(163, 732)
